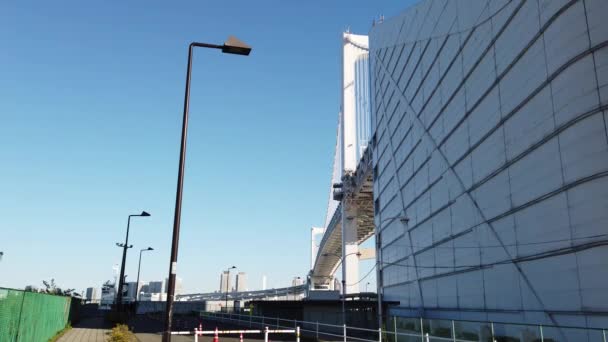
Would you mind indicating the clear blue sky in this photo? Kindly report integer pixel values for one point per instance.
(91, 96)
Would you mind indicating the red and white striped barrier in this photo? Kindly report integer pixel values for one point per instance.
(200, 332)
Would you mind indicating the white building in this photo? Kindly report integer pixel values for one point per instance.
(489, 135)
(297, 281)
(225, 282)
(241, 282)
(153, 297)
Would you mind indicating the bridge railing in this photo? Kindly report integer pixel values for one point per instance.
(396, 330)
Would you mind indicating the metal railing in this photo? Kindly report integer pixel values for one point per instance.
(417, 329)
(267, 332)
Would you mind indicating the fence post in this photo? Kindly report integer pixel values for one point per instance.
(454, 331)
(421, 330)
(318, 332)
(542, 338)
(195, 334)
(250, 318)
(604, 334)
(344, 332)
(20, 312)
(427, 337)
(297, 334)
(277, 322)
(395, 324)
(380, 334)
(266, 334)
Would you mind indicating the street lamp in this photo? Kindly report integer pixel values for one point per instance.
(343, 297)
(138, 269)
(124, 257)
(232, 46)
(227, 281)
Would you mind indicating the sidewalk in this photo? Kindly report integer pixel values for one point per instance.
(88, 330)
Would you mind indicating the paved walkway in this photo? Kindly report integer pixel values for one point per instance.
(88, 330)
(148, 330)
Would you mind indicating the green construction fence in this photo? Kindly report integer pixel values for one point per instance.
(30, 316)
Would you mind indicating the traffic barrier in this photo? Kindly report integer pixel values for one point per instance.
(267, 332)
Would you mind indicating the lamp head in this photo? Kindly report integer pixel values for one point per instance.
(234, 46)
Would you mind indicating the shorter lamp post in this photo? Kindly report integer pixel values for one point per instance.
(343, 283)
(138, 269)
(124, 256)
(227, 282)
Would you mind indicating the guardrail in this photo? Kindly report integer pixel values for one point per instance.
(395, 331)
(319, 330)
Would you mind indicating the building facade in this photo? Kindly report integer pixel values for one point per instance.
(91, 294)
(489, 135)
(241, 282)
(225, 282)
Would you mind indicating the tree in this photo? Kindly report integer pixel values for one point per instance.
(52, 288)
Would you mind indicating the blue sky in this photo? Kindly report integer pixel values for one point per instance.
(91, 96)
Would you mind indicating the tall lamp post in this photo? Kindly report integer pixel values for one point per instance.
(124, 258)
(228, 281)
(139, 269)
(343, 297)
(121, 245)
(232, 46)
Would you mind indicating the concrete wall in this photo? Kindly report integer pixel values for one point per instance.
(490, 135)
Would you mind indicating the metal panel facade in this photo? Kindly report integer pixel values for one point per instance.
(489, 123)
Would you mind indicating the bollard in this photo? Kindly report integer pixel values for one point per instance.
(297, 334)
(241, 338)
(427, 337)
(195, 334)
(344, 332)
(216, 338)
(266, 334)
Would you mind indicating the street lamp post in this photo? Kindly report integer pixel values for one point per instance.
(343, 297)
(228, 281)
(124, 258)
(233, 46)
(138, 269)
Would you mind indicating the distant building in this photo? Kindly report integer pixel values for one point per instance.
(224, 282)
(178, 285)
(153, 297)
(156, 287)
(132, 288)
(91, 293)
(145, 288)
(241, 282)
(297, 281)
